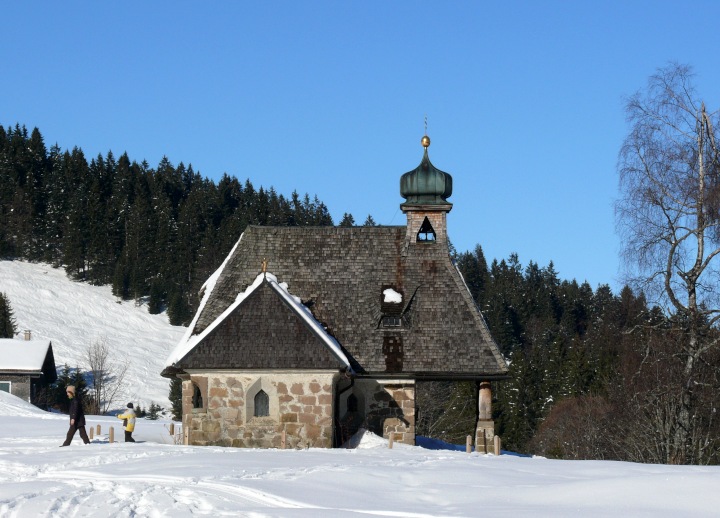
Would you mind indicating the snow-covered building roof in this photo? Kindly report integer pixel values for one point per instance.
(25, 356)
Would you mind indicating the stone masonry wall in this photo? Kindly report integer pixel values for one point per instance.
(301, 405)
(389, 408)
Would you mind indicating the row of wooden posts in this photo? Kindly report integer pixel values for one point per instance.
(468, 441)
(111, 432)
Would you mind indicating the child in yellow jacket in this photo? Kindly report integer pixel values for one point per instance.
(128, 422)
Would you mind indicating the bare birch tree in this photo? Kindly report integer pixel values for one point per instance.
(108, 374)
(668, 217)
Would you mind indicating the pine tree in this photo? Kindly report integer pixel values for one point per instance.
(369, 222)
(474, 270)
(76, 228)
(347, 220)
(7, 320)
(38, 169)
(68, 376)
(176, 398)
(56, 194)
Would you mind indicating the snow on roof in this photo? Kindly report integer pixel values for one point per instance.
(187, 342)
(190, 341)
(22, 355)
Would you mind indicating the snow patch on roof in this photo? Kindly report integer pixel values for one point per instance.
(25, 355)
(390, 295)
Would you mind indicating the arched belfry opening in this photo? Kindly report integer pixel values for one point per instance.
(426, 190)
(426, 234)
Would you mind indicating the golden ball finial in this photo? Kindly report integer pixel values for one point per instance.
(425, 141)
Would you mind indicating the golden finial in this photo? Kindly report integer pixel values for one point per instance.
(425, 141)
(264, 265)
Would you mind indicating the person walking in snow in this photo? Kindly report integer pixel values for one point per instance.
(77, 417)
(128, 422)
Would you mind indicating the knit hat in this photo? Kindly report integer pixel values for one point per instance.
(130, 405)
(71, 389)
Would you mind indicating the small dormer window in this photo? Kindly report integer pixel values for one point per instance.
(391, 305)
(426, 234)
(391, 321)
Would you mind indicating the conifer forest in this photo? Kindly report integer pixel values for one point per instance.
(593, 374)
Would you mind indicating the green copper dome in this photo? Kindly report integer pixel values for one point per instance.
(426, 184)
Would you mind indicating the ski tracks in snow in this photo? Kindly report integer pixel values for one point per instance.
(88, 485)
(109, 482)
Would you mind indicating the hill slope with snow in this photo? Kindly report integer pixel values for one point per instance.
(74, 315)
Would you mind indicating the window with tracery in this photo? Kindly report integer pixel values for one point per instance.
(262, 404)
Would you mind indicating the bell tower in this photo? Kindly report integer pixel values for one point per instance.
(426, 190)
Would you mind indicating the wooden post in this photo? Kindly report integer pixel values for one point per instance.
(111, 435)
(98, 429)
(468, 444)
(91, 433)
(283, 440)
(172, 428)
(497, 445)
(391, 436)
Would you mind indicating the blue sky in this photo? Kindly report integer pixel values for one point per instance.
(524, 101)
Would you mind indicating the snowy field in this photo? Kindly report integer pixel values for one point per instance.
(73, 315)
(155, 478)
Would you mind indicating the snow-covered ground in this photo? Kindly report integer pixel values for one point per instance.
(155, 478)
(74, 315)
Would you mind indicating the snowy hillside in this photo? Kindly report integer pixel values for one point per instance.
(73, 315)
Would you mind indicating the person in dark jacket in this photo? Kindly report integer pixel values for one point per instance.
(77, 417)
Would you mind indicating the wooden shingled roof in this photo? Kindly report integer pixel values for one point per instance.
(339, 273)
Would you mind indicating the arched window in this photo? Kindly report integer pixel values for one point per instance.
(262, 404)
(197, 400)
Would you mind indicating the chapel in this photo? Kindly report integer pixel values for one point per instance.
(304, 335)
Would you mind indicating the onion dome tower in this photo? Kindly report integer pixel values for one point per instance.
(426, 190)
